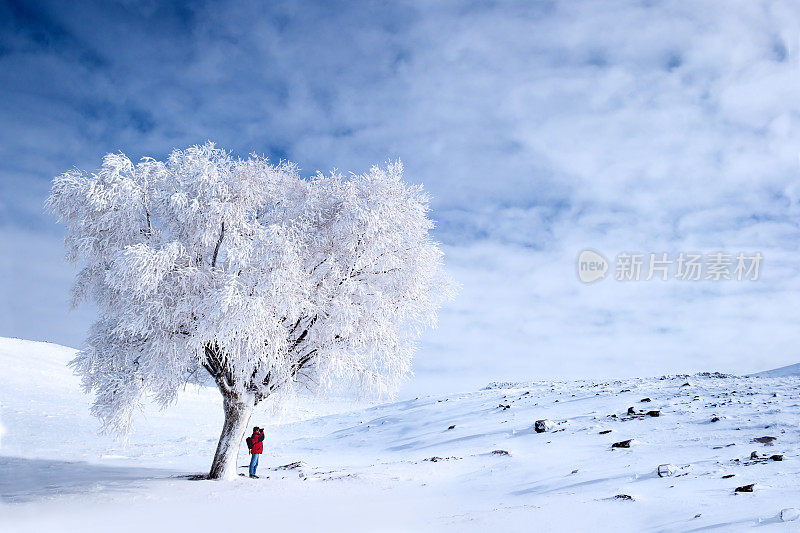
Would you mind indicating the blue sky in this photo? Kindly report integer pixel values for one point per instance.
(540, 128)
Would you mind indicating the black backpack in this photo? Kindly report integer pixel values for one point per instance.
(249, 441)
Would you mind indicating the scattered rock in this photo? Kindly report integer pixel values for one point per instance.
(715, 419)
(666, 470)
(622, 444)
(623, 497)
(500, 452)
(789, 514)
(575, 471)
(291, 466)
(698, 515)
(745, 488)
(504, 407)
(436, 459)
(756, 458)
(728, 476)
(542, 426)
(765, 440)
(632, 413)
(645, 400)
(605, 431)
(687, 384)
(452, 427)
(718, 375)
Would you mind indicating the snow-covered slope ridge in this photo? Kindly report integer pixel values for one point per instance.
(455, 462)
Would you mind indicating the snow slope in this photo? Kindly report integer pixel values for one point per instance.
(399, 466)
(782, 372)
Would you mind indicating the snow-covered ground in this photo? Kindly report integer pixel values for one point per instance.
(466, 461)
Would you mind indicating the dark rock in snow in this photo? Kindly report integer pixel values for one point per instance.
(776, 457)
(745, 488)
(633, 413)
(765, 440)
(718, 375)
(500, 452)
(666, 470)
(789, 514)
(452, 427)
(291, 466)
(715, 419)
(622, 444)
(436, 459)
(623, 497)
(728, 476)
(645, 400)
(753, 455)
(542, 426)
(605, 431)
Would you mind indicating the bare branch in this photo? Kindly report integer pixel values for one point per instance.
(219, 243)
(217, 368)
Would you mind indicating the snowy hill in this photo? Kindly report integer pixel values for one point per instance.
(784, 371)
(456, 462)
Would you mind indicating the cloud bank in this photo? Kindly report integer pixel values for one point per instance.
(540, 128)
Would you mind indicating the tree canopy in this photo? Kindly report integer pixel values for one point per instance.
(206, 266)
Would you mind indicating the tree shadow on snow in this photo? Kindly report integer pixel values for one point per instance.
(25, 480)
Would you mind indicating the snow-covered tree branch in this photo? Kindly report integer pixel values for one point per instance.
(236, 270)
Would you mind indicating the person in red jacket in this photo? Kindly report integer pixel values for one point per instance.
(255, 443)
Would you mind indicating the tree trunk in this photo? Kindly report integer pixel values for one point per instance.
(237, 416)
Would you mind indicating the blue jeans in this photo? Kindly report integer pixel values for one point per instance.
(254, 463)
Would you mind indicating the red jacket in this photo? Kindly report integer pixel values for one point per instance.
(256, 442)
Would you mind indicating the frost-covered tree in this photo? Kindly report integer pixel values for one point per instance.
(210, 267)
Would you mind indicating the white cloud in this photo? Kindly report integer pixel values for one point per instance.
(540, 128)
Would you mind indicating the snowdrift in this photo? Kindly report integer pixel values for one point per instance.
(459, 462)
